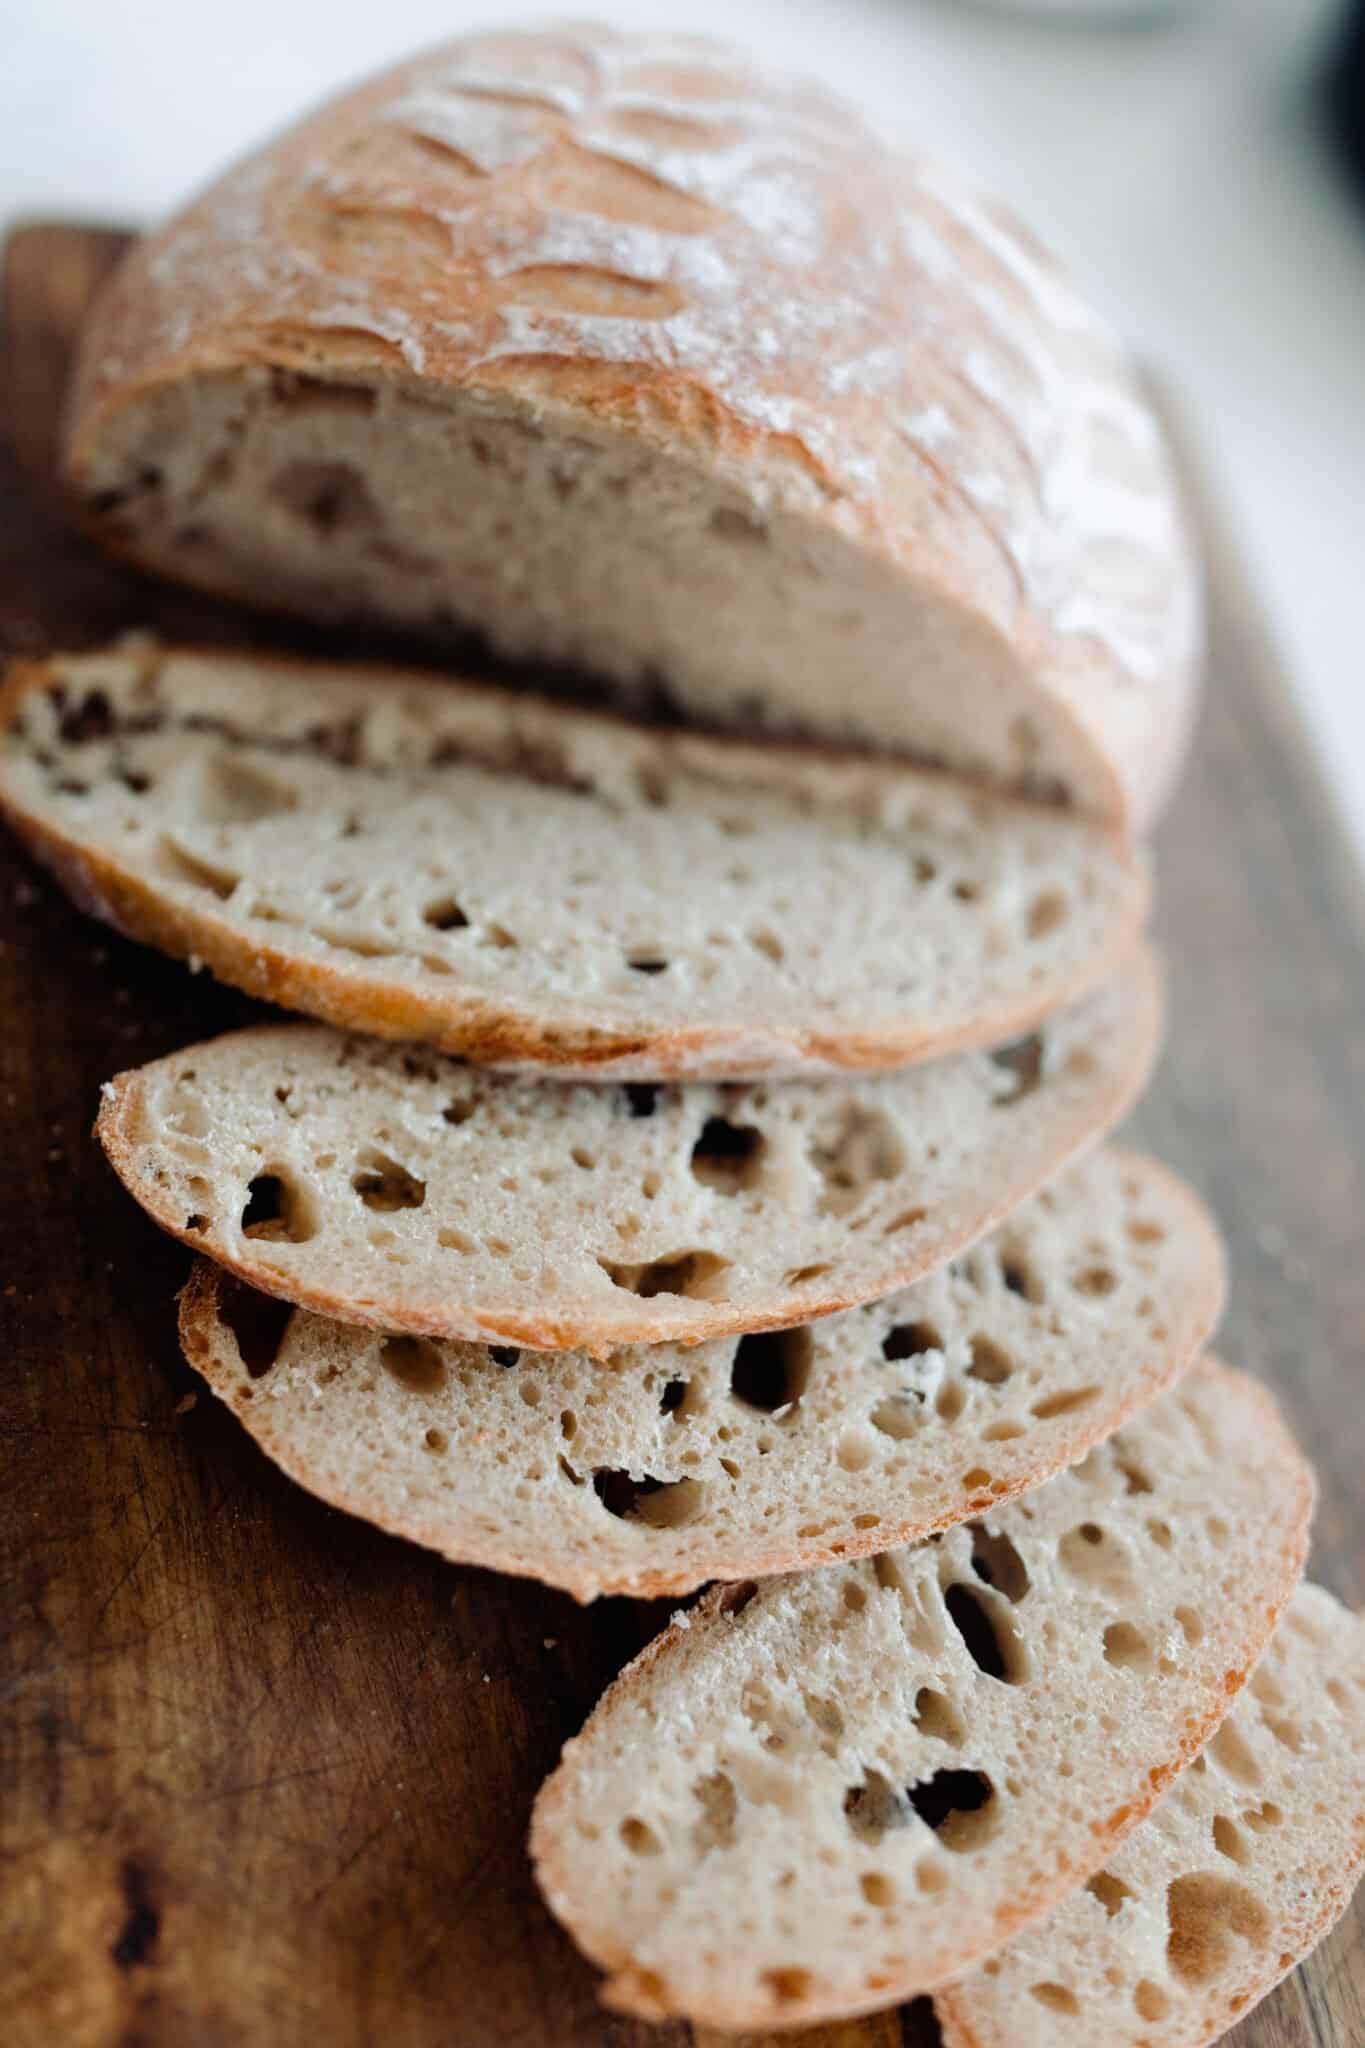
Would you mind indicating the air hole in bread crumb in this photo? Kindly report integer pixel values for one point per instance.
(736, 1597)
(1160, 1532)
(445, 915)
(455, 1241)
(898, 1417)
(911, 1340)
(1143, 1232)
(1227, 1839)
(277, 1211)
(639, 1837)
(1266, 1815)
(413, 1362)
(990, 1361)
(936, 1716)
(331, 497)
(1046, 914)
(1191, 1626)
(715, 1826)
(694, 1274)
(875, 1807)
(771, 1369)
(383, 1185)
(997, 1563)
(877, 1888)
(905, 1219)
(658, 1503)
(1135, 1480)
(1111, 1891)
(1020, 1277)
(1055, 1997)
(768, 943)
(1150, 2002)
(733, 522)
(641, 1097)
(1232, 1754)
(855, 1449)
(800, 1275)
(1002, 1432)
(1095, 1280)
(672, 1397)
(1127, 1648)
(200, 874)
(950, 1401)
(1207, 1914)
(89, 718)
(647, 963)
(788, 1986)
(989, 1636)
(258, 1323)
(852, 1150)
(959, 1806)
(1021, 1064)
(504, 1354)
(1064, 1404)
(727, 1157)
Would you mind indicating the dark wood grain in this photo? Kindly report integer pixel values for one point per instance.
(264, 1774)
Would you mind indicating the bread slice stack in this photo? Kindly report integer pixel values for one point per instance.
(688, 1166)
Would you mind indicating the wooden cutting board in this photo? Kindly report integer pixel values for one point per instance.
(264, 1774)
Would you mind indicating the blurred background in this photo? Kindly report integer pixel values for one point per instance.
(1177, 153)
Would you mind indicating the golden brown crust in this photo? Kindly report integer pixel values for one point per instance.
(204, 1338)
(275, 269)
(504, 1032)
(116, 1127)
(623, 1989)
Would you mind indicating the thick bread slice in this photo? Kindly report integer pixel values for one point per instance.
(388, 1186)
(664, 1467)
(1242, 1869)
(836, 1790)
(520, 882)
(630, 353)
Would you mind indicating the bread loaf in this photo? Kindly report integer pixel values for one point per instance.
(824, 1794)
(521, 883)
(1243, 1867)
(387, 1186)
(630, 354)
(661, 1468)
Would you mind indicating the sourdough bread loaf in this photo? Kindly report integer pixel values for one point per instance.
(1241, 1870)
(820, 1795)
(660, 1468)
(384, 1185)
(524, 883)
(631, 354)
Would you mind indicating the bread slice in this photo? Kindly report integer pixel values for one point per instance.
(1244, 1866)
(824, 1794)
(662, 1467)
(520, 882)
(385, 1185)
(630, 353)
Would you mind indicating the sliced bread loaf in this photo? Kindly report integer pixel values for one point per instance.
(386, 1185)
(520, 882)
(1244, 1866)
(664, 1467)
(821, 1795)
(633, 353)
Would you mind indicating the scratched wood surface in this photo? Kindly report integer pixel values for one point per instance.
(264, 1774)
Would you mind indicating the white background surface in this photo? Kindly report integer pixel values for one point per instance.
(1178, 167)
